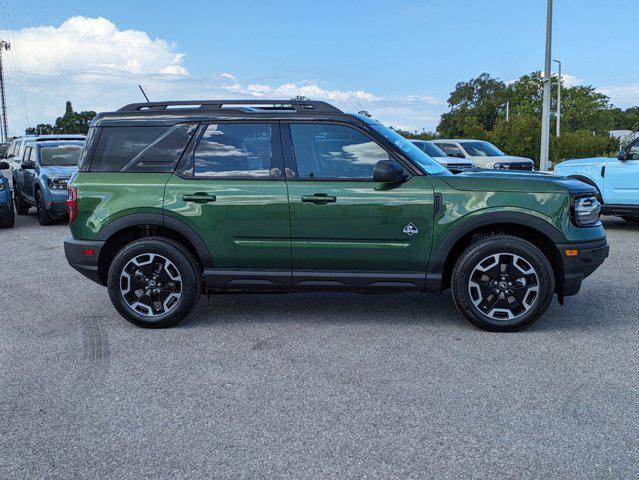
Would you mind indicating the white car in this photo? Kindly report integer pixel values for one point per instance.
(437, 154)
(483, 154)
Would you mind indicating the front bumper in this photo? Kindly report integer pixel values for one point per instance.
(56, 203)
(78, 253)
(579, 260)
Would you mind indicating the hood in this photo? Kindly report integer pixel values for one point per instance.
(504, 159)
(513, 181)
(585, 162)
(58, 172)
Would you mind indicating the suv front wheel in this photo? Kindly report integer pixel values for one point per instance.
(503, 283)
(154, 282)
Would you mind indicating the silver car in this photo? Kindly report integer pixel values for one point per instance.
(437, 154)
(483, 154)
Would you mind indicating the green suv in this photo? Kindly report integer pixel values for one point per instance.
(176, 199)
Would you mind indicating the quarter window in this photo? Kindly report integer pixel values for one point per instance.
(117, 146)
(236, 150)
(334, 152)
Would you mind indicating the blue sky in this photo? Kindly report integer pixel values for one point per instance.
(398, 59)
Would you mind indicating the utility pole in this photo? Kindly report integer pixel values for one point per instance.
(3, 101)
(545, 115)
(507, 110)
(558, 97)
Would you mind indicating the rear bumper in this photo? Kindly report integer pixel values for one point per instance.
(79, 257)
(589, 256)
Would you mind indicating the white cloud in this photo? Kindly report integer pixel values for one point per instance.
(623, 96)
(97, 66)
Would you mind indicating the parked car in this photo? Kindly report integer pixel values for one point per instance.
(437, 154)
(15, 152)
(7, 218)
(175, 199)
(3, 152)
(483, 154)
(41, 178)
(17, 146)
(616, 180)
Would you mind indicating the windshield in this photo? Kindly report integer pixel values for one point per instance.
(431, 149)
(481, 149)
(423, 161)
(60, 156)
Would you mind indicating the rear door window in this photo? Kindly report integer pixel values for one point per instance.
(236, 150)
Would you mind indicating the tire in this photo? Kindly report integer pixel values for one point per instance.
(10, 220)
(22, 207)
(44, 217)
(178, 278)
(498, 304)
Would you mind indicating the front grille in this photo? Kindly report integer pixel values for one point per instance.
(459, 166)
(514, 166)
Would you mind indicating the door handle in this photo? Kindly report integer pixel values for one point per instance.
(199, 197)
(319, 199)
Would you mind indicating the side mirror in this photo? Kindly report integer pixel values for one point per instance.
(4, 166)
(27, 164)
(622, 155)
(388, 171)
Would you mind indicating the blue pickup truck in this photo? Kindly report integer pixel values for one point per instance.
(616, 180)
(41, 177)
(7, 218)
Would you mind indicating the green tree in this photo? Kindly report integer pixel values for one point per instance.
(520, 136)
(40, 129)
(365, 113)
(482, 97)
(70, 122)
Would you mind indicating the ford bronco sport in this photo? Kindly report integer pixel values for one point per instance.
(175, 199)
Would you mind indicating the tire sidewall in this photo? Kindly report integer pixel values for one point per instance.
(182, 260)
(502, 244)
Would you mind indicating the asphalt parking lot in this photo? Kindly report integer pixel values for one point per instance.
(312, 385)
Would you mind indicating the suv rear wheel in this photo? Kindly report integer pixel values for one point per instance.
(503, 283)
(154, 282)
(9, 220)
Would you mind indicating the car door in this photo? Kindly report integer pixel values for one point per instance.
(29, 173)
(347, 229)
(621, 179)
(230, 189)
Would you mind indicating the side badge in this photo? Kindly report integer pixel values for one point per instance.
(410, 229)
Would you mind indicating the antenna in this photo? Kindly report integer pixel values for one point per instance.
(142, 90)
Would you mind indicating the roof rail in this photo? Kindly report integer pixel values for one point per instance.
(244, 105)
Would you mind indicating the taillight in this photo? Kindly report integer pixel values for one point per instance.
(72, 203)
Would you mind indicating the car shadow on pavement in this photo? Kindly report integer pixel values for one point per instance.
(326, 308)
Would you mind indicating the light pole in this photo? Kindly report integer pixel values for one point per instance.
(545, 115)
(558, 97)
(3, 101)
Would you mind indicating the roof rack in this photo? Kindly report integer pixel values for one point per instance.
(244, 105)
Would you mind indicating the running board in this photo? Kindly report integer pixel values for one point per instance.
(305, 280)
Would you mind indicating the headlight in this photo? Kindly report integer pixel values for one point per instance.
(57, 183)
(585, 210)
